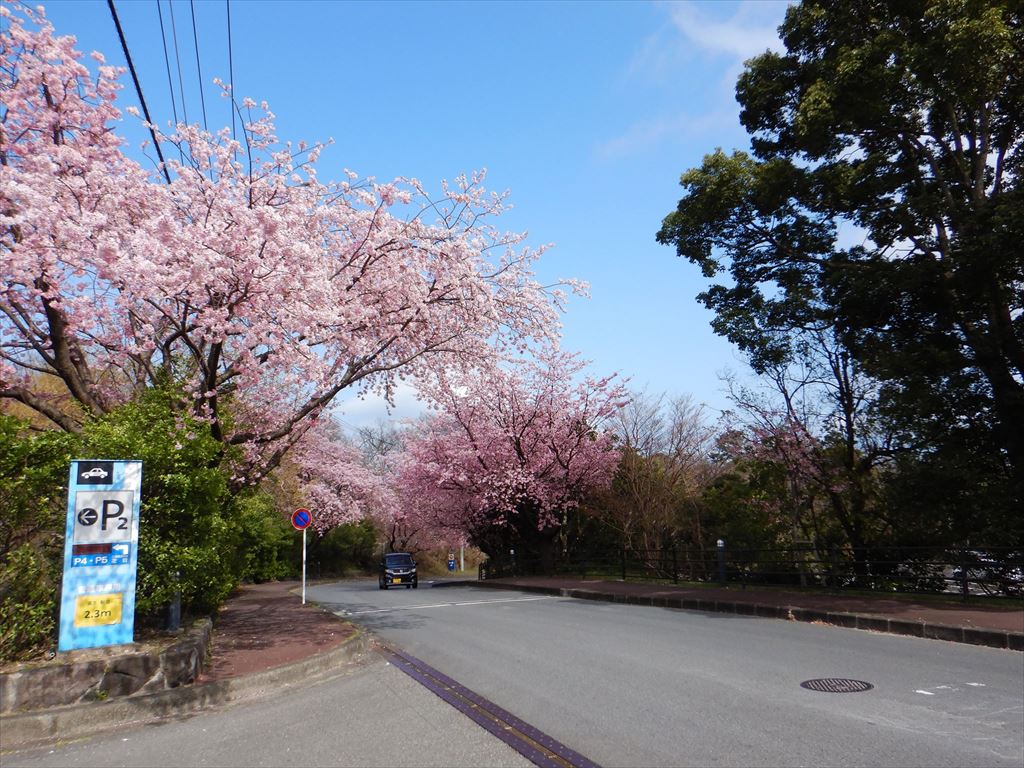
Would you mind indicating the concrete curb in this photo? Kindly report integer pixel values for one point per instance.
(68, 723)
(992, 638)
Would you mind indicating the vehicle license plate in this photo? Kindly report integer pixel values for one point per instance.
(396, 580)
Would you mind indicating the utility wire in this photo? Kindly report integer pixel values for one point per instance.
(167, 65)
(199, 68)
(167, 62)
(231, 71)
(170, 82)
(138, 88)
(177, 59)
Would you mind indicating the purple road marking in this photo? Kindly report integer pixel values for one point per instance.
(564, 752)
(457, 695)
(524, 748)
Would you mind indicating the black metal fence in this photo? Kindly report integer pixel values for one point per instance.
(965, 571)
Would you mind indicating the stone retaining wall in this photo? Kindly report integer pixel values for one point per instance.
(130, 673)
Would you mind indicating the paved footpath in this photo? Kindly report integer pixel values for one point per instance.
(265, 626)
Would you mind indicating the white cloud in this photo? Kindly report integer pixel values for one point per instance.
(645, 134)
(696, 41)
(748, 32)
(691, 32)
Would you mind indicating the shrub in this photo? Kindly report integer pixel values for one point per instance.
(28, 603)
(184, 539)
(33, 496)
(195, 536)
(264, 539)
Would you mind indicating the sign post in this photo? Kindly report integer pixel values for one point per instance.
(101, 551)
(301, 518)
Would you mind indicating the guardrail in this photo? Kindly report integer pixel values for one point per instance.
(965, 571)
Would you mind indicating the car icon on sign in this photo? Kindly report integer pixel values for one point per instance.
(94, 472)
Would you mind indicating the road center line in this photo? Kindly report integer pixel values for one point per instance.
(447, 605)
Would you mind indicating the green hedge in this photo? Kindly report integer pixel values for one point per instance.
(195, 536)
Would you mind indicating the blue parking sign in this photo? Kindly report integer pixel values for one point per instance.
(101, 545)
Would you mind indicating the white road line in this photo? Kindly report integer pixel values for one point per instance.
(925, 693)
(446, 605)
(509, 600)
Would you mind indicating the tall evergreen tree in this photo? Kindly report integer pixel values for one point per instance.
(896, 126)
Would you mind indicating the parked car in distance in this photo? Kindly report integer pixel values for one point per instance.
(989, 573)
(396, 569)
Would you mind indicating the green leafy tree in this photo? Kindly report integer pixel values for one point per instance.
(897, 126)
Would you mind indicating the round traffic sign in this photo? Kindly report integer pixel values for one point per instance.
(301, 518)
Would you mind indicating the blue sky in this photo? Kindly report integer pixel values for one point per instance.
(586, 111)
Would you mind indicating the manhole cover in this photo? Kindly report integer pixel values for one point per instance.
(836, 685)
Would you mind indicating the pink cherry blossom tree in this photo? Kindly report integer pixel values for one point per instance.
(511, 453)
(262, 290)
(337, 484)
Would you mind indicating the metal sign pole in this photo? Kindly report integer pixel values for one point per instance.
(301, 518)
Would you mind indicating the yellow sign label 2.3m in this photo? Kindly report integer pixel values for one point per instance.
(97, 610)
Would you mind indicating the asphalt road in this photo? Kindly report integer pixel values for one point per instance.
(623, 685)
(639, 686)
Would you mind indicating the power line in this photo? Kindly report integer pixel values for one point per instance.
(199, 68)
(170, 83)
(177, 59)
(138, 88)
(167, 62)
(231, 70)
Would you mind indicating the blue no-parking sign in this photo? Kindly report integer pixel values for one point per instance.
(101, 552)
(301, 518)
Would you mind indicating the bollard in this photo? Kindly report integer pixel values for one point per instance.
(721, 561)
(174, 609)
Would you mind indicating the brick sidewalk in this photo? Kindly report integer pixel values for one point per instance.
(264, 626)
